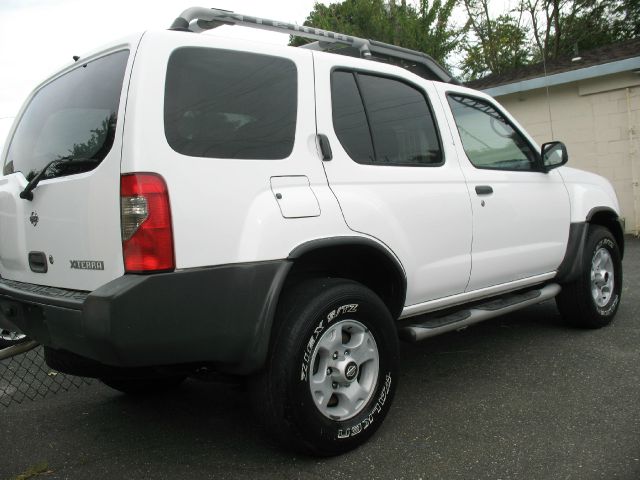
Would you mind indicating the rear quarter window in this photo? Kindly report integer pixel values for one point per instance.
(229, 104)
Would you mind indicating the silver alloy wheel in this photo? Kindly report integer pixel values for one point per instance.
(345, 365)
(11, 336)
(602, 277)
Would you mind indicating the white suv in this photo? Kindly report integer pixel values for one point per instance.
(179, 203)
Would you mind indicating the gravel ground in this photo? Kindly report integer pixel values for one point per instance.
(519, 397)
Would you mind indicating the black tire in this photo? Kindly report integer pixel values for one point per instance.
(9, 339)
(282, 395)
(144, 386)
(577, 304)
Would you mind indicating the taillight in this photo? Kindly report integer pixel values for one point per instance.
(147, 238)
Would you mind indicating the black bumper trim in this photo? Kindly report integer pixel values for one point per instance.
(220, 315)
(41, 294)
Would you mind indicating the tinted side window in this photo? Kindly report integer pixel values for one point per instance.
(349, 119)
(402, 125)
(488, 138)
(383, 121)
(227, 104)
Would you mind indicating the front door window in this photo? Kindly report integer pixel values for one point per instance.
(488, 138)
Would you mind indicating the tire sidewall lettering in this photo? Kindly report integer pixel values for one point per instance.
(320, 328)
(610, 308)
(357, 428)
(605, 242)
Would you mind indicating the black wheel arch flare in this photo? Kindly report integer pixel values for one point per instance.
(358, 258)
(571, 265)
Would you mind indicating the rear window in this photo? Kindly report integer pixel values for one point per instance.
(228, 104)
(70, 119)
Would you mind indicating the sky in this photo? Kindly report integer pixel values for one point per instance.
(38, 37)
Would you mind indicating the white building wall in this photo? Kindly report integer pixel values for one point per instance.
(599, 121)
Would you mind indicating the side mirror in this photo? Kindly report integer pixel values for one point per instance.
(554, 155)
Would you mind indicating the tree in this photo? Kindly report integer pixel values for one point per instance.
(493, 45)
(534, 31)
(627, 18)
(433, 32)
(565, 27)
(542, 30)
(425, 27)
(553, 22)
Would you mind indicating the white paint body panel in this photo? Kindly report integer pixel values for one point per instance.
(521, 229)
(79, 215)
(224, 210)
(588, 191)
(422, 213)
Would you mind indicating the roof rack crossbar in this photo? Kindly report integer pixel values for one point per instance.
(200, 19)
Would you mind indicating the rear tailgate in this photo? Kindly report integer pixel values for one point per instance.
(68, 235)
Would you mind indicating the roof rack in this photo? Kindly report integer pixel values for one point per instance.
(199, 19)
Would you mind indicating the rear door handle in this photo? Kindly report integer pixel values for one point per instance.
(484, 190)
(325, 147)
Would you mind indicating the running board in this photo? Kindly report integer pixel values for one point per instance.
(435, 325)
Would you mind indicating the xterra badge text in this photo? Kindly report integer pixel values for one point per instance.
(87, 264)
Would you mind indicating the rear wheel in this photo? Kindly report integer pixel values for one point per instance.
(592, 300)
(9, 339)
(332, 369)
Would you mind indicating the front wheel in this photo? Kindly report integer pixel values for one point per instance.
(592, 300)
(332, 369)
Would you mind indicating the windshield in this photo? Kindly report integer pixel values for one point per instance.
(71, 118)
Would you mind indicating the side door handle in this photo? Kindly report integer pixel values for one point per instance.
(325, 147)
(484, 190)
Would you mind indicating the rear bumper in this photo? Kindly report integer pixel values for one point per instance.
(221, 315)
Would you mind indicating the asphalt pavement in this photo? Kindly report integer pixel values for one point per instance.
(518, 397)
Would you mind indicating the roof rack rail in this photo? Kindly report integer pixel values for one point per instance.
(200, 19)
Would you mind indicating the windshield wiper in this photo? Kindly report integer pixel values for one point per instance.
(27, 193)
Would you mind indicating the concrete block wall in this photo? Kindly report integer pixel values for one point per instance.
(599, 121)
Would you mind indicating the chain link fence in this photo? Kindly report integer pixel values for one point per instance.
(25, 376)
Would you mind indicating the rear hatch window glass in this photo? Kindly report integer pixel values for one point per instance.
(71, 120)
(228, 104)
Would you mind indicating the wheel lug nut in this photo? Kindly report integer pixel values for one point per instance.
(329, 371)
(334, 385)
(335, 355)
(347, 353)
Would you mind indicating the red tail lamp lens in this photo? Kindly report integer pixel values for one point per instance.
(147, 237)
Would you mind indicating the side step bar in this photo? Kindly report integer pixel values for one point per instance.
(435, 325)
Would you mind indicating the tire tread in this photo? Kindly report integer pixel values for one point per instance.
(574, 301)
